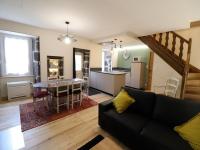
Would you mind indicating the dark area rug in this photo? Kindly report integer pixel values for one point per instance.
(31, 119)
(93, 91)
(92, 143)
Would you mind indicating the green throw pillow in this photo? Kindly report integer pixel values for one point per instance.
(190, 131)
(122, 101)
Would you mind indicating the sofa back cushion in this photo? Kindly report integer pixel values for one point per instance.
(144, 101)
(173, 112)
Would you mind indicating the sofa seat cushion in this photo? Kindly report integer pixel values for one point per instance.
(173, 112)
(163, 137)
(129, 121)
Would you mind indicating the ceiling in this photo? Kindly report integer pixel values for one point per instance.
(97, 19)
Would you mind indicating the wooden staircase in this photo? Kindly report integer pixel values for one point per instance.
(192, 90)
(175, 51)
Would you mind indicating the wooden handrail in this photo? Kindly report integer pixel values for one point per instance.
(187, 41)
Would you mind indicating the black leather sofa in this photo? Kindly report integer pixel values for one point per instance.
(148, 123)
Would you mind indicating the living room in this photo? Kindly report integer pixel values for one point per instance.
(77, 75)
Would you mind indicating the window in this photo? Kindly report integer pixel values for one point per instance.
(78, 59)
(16, 55)
(106, 60)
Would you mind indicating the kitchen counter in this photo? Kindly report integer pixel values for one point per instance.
(109, 82)
(112, 72)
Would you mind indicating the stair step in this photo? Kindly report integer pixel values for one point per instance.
(192, 76)
(193, 83)
(195, 97)
(192, 90)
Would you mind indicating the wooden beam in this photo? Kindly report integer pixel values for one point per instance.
(195, 24)
(150, 71)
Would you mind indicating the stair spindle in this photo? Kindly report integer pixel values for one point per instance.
(174, 43)
(160, 38)
(154, 36)
(167, 40)
(181, 49)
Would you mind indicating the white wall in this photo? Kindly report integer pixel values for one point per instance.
(49, 45)
(161, 72)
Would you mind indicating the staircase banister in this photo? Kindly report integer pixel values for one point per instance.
(194, 69)
(177, 35)
(186, 69)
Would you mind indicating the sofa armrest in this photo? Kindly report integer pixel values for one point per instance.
(105, 105)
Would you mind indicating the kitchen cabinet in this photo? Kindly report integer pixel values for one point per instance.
(109, 82)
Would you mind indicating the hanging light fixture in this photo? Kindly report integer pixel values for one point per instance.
(66, 38)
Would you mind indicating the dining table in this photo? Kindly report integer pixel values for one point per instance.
(57, 83)
(51, 85)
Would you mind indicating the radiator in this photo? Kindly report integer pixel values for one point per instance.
(18, 89)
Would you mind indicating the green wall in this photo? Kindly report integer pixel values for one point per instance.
(143, 53)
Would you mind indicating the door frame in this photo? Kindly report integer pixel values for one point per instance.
(150, 71)
(83, 51)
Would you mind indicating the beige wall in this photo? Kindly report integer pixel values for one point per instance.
(49, 45)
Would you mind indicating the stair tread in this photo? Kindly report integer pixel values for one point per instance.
(195, 97)
(194, 83)
(192, 90)
(193, 76)
(193, 87)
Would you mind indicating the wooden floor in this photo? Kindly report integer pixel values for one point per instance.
(67, 133)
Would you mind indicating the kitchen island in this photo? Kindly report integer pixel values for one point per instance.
(109, 82)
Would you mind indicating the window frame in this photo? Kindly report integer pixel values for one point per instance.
(3, 57)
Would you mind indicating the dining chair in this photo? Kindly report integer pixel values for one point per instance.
(62, 96)
(52, 78)
(38, 95)
(86, 87)
(61, 77)
(170, 87)
(76, 91)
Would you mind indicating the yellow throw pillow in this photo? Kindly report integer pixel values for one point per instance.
(190, 131)
(122, 101)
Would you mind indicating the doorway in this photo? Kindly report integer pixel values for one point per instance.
(79, 65)
(81, 59)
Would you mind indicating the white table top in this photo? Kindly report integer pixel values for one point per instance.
(57, 83)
